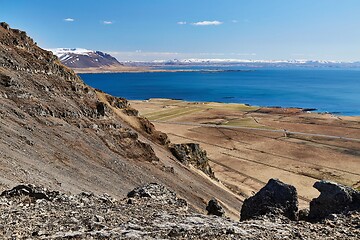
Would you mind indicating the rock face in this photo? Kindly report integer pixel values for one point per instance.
(334, 199)
(191, 153)
(275, 198)
(214, 208)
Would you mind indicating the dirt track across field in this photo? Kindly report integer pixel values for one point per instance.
(248, 145)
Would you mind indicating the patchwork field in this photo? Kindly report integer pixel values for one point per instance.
(247, 145)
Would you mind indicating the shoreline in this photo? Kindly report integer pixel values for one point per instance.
(262, 109)
(150, 70)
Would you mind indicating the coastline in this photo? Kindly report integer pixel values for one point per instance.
(260, 109)
(131, 69)
(291, 95)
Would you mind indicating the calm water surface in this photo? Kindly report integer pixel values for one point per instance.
(336, 91)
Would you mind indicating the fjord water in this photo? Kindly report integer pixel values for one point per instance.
(335, 91)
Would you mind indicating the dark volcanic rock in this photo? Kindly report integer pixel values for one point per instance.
(101, 108)
(334, 198)
(191, 153)
(214, 208)
(29, 190)
(275, 198)
(5, 25)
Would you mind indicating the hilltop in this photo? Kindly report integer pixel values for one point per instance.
(83, 58)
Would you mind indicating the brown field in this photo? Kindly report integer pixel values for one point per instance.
(247, 145)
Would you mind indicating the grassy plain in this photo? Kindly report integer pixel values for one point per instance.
(247, 145)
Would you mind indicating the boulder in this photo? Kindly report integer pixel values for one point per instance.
(29, 190)
(5, 25)
(275, 198)
(101, 109)
(334, 198)
(214, 208)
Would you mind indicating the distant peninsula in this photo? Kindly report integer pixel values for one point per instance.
(93, 61)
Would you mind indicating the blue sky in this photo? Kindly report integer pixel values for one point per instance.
(166, 29)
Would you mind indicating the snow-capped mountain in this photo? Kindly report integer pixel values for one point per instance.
(83, 58)
(249, 63)
(230, 61)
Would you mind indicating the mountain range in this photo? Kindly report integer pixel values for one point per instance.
(247, 63)
(84, 60)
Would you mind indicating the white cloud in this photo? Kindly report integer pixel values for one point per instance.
(181, 23)
(207, 23)
(107, 22)
(69, 20)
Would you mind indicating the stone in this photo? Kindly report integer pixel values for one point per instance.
(304, 214)
(334, 198)
(191, 153)
(101, 108)
(214, 208)
(275, 198)
(26, 190)
(157, 192)
(68, 217)
(151, 190)
(5, 25)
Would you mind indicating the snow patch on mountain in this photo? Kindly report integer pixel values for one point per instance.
(59, 52)
(230, 61)
(83, 58)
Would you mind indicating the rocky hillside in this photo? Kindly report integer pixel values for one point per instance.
(57, 132)
(154, 212)
(83, 58)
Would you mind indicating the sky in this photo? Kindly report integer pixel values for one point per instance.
(179, 29)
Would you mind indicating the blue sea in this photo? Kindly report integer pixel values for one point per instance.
(327, 90)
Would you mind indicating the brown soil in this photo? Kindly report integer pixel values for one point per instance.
(248, 145)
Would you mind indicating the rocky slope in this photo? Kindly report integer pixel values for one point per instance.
(83, 58)
(148, 212)
(58, 132)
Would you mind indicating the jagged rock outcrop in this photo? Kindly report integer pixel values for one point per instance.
(214, 208)
(275, 198)
(191, 153)
(334, 199)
